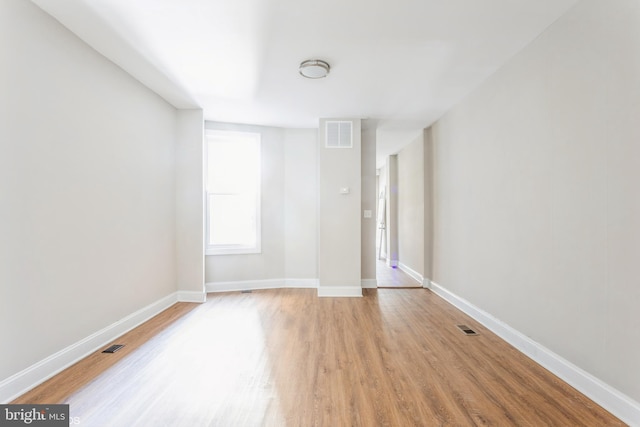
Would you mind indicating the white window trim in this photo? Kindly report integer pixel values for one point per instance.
(234, 249)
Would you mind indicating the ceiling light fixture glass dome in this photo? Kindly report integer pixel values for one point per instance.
(314, 69)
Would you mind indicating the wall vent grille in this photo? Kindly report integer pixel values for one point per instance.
(339, 134)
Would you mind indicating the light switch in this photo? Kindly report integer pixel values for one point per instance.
(367, 214)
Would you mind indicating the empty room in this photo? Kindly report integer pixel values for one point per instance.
(345, 213)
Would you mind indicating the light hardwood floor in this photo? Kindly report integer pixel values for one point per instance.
(288, 358)
(388, 277)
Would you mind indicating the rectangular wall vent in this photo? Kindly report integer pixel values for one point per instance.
(113, 348)
(467, 330)
(339, 134)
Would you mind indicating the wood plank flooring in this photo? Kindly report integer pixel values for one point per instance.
(388, 277)
(288, 358)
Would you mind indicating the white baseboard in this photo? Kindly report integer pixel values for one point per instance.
(619, 404)
(369, 283)
(426, 283)
(36, 374)
(301, 283)
(411, 272)
(325, 291)
(339, 291)
(243, 285)
(192, 296)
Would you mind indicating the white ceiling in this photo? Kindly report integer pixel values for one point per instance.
(403, 63)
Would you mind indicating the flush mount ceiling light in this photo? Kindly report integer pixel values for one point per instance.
(314, 69)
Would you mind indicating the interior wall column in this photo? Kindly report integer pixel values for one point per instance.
(428, 207)
(339, 219)
(391, 222)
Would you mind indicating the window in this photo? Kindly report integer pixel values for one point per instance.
(233, 193)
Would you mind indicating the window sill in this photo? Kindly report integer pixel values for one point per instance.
(232, 251)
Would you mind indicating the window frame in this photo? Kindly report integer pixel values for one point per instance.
(233, 249)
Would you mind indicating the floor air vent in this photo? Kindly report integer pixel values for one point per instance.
(246, 291)
(113, 348)
(467, 330)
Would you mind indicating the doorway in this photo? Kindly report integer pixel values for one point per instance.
(393, 277)
(388, 273)
(403, 216)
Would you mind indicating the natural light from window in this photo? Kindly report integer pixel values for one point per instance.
(233, 192)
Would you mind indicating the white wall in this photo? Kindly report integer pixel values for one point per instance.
(411, 192)
(339, 256)
(381, 218)
(428, 206)
(300, 204)
(369, 201)
(537, 217)
(190, 205)
(391, 210)
(87, 197)
(269, 264)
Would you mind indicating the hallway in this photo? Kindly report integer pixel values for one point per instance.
(394, 277)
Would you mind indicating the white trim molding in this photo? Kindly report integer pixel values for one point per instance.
(426, 283)
(323, 291)
(369, 283)
(192, 296)
(301, 283)
(411, 272)
(245, 285)
(339, 291)
(614, 401)
(36, 374)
